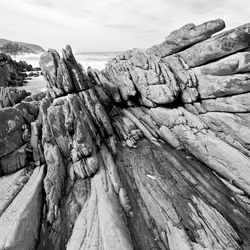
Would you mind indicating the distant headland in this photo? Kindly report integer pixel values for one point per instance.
(19, 48)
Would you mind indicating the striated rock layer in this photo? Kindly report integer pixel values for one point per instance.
(150, 153)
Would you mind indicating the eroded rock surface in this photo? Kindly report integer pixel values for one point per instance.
(152, 152)
(20, 222)
(11, 96)
(11, 72)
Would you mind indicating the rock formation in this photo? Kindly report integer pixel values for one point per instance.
(150, 153)
(10, 96)
(12, 73)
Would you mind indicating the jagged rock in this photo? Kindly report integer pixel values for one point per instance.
(205, 145)
(11, 96)
(101, 219)
(210, 86)
(77, 73)
(100, 80)
(232, 125)
(63, 74)
(15, 135)
(70, 139)
(56, 74)
(10, 130)
(35, 97)
(236, 63)
(11, 72)
(11, 185)
(24, 66)
(14, 161)
(33, 74)
(7, 69)
(218, 46)
(232, 104)
(20, 222)
(146, 81)
(155, 81)
(54, 179)
(35, 143)
(161, 179)
(29, 110)
(150, 153)
(186, 36)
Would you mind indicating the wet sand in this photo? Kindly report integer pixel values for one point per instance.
(34, 85)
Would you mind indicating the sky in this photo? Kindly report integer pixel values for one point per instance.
(110, 25)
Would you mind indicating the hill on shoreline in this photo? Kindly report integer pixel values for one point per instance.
(17, 48)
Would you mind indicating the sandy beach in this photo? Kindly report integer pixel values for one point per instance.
(34, 85)
(95, 60)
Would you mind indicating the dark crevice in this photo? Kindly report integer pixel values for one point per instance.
(44, 242)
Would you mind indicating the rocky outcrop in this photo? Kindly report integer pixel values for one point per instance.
(186, 36)
(15, 133)
(11, 96)
(20, 222)
(12, 72)
(8, 72)
(150, 153)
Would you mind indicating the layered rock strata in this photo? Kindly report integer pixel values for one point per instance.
(150, 153)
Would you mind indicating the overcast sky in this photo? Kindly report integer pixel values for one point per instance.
(110, 25)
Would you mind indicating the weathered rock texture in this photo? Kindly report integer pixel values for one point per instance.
(10, 96)
(12, 73)
(150, 153)
(9, 72)
(20, 221)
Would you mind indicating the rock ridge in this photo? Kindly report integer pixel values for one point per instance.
(152, 152)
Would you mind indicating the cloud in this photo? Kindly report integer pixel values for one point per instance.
(131, 28)
(44, 3)
(110, 24)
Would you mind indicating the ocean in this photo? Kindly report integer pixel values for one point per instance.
(95, 60)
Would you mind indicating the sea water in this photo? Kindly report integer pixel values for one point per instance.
(95, 60)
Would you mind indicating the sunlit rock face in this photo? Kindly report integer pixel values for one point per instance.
(152, 152)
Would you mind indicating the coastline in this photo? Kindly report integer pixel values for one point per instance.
(150, 153)
(95, 60)
(32, 59)
(34, 85)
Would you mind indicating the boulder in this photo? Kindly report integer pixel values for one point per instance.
(216, 47)
(14, 161)
(10, 96)
(237, 103)
(21, 219)
(210, 86)
(146, 78)
(11, 185)
(10, 130)
(186, 36)
(11, 72)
